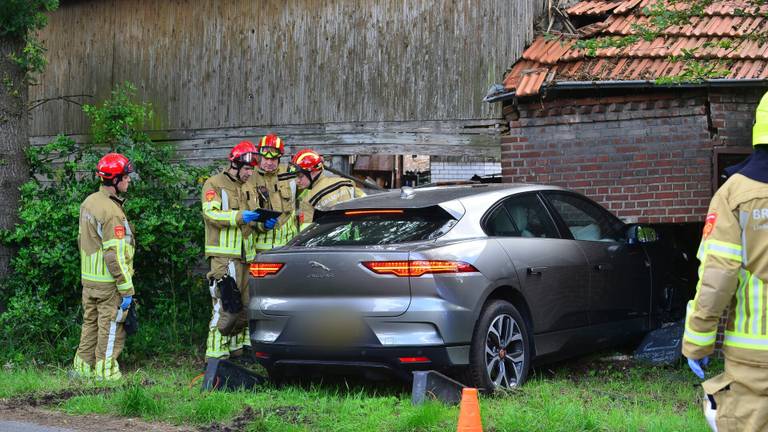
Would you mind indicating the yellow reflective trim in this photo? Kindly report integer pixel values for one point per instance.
(223, 216)
(746, 341)
(216, 249)
(724, 249)
(93, 268)
(122, 262)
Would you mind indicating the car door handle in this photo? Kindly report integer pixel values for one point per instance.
(536, 270)
(603, 267)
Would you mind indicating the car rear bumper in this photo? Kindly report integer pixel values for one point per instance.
(398, 360)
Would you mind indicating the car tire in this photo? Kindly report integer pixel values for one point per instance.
(503, 362)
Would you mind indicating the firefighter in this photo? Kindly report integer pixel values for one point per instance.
(276, 190)
(733, 276)
(107, 244)
(319, 189)
(230, 224)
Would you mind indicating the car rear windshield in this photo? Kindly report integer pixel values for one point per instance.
(370, 227)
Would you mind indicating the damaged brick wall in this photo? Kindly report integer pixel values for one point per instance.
(646, 157)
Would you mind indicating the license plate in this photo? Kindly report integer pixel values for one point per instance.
(334, 329)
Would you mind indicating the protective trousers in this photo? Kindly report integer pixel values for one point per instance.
(219, 345)
(102, 336)
(741, 395)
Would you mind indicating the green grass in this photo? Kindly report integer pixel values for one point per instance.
(574, 396)
(28, 381)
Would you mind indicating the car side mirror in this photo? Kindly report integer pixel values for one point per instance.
(641, 234)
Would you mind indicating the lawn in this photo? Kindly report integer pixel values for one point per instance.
(588, 394)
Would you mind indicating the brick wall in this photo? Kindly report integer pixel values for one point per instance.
(645, 157)
(448, 168)
(732, 114)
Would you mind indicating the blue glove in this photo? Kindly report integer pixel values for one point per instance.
(126, 302)
(697, 366)
(250, 216)
(270, 223)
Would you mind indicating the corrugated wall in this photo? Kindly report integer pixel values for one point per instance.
(218, 69)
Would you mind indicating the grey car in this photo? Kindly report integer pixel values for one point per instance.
(475, 278)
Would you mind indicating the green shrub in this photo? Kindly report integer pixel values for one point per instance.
(43, 295)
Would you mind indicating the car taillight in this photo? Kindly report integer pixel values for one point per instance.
(416, 268)
(414, 359)
(259, 270)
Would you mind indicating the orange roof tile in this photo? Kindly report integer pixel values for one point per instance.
(712, 37)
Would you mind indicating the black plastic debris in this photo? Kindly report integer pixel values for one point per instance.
(662, 346)
(428, 385)
(225, 375)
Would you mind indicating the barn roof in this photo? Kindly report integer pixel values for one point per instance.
(557, 58)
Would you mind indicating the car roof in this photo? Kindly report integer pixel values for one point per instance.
(408, 197)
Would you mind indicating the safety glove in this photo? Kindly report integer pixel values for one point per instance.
(270, 223)
(697, 366)
(126, 303)
(250, 216)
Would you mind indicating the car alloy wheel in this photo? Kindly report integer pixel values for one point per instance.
(500, 353)
(504, 352)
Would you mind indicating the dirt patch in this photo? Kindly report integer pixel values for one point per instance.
(291, 414)
(86, 423)
(50, 398)
(239, 423)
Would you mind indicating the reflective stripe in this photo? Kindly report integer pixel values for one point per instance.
(693, 336)
(741, 340)
(224, 200)
(230, 242)
(743, 220)
(213, 211)
(723, 249)
(221, 250)
(93, 268)
(81, 367)
(121, 248)
(740, 311)
(276, 237)
(701, 339)
(756, 290)
(113, 333)
(701, 251)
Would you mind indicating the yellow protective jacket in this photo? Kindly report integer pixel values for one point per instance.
(275, 191)
(733, 271)
(226, 235)
(106, 243)
(327, 191)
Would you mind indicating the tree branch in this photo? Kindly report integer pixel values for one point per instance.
(66, 98)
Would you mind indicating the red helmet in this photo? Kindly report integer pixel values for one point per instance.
(307, 161)
(271, 146)
(243, 154)
(113, 165)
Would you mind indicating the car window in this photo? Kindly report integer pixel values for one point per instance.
(374, 228)
(500, 224)
(522, 216)
(586, 220)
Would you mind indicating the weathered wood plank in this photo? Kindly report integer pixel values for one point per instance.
(237, 63)
(480, 138)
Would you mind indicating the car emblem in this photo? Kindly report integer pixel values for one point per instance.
(316, 264)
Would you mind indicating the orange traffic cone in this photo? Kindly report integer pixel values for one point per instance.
(469, 412)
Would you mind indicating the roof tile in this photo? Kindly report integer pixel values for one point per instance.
(558, 59)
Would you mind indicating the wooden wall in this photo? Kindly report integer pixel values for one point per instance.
(402, 76)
